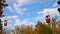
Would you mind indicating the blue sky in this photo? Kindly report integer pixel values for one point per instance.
(29, 11)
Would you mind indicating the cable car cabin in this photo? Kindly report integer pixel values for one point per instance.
(58, 2)
(48, 19)
(58, 10)
(47, 16)
(5, 23)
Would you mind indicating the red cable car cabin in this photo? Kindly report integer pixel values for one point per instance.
(5, 23)
(47, 19)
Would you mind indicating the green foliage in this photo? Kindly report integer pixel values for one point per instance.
(44, 28)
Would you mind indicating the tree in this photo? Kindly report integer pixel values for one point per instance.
(43, 28)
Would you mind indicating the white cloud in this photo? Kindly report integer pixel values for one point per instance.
(55, 4)
(14, 17)
(22, 2)
(16, 7)
(40, 12)
(10, 9)
(52, 12)
(31, 23)
(24, 9)
(18, 3)
(19, 22)
(40, 18)
(19, 10)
